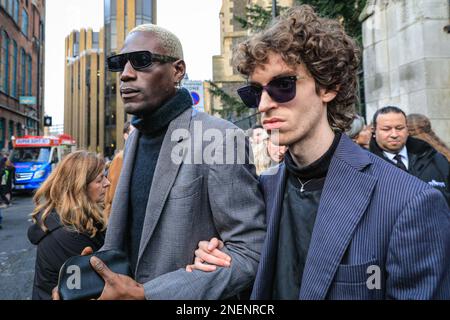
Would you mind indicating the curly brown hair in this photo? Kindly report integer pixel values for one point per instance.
(331, 57)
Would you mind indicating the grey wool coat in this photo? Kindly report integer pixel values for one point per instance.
(192, 200)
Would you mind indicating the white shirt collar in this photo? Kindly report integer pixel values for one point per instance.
(403, 153)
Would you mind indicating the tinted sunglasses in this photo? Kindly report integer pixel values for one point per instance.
(138, 59)
(281, 90)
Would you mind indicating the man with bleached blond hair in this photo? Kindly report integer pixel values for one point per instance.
(163, 207)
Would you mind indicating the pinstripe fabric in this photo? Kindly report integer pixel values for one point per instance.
(370, 214)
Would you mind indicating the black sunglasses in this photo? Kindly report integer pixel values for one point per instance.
(138, 59)
(281, 90)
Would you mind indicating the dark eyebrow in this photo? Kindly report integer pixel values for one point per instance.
(281, 75)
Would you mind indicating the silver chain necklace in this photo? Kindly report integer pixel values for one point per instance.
(302, 189)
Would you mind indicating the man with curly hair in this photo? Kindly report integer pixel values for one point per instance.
(342, 223)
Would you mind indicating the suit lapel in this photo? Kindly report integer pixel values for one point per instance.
(119, 211)
(274, 202)
(346, 195)
(166, 172)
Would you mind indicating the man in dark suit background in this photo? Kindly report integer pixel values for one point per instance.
(342, 223)
(392, 143)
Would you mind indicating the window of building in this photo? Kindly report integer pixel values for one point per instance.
(4, 73)
(95, 40)
(19, 130)
(10, 8)
(14, 66)
(76, 44)
(147, 11)
(30, 93)
(113, 25)
(10, 130)
(1, 59)
(113, 8)
(16, 11)
(23, 71)
(113, 35)
(89, 100)
(2, 132)
(41, 31)
(139, 17)
(35, 23)
(144, 11)
(107, 8)
(25, 22)
(110, 26)
(126, 16)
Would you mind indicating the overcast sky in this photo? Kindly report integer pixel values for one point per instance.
(192, 21)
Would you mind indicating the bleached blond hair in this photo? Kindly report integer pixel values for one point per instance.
(167, 39)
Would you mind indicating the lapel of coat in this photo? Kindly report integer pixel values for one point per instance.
(118, 220)
(274, 201)
(165, 174)
(346, 195)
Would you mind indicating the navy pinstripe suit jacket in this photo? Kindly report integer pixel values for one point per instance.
(370, 214)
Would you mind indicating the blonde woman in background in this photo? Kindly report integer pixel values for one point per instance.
(68, 217)
(267, 154)
(419, 126)
(276, 152)
(262, 159)
(114, 170)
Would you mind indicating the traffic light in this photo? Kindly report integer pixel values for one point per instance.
(47, 121)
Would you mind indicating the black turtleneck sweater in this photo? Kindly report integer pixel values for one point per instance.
(300, 205)
(152, 130)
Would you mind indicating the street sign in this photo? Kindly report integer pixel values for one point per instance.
(47, 121)
(196, 89)
(28, 101)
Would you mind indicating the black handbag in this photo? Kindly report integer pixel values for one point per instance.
(79, 281)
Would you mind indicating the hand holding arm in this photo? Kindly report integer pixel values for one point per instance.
(208, 256)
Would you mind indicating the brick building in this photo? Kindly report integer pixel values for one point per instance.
(84, 109)
(22, 25)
